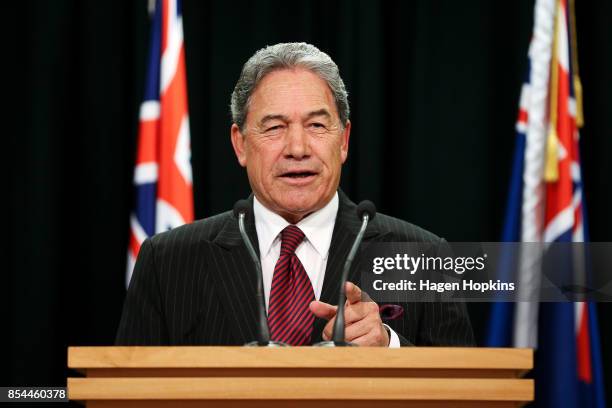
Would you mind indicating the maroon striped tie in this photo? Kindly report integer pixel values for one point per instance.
(289, 317)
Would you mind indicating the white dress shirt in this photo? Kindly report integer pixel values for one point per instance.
(313, 252)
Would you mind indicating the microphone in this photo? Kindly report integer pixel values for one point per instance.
(241, 209)
(366, 210)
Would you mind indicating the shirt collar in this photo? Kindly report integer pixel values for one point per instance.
(318, 227)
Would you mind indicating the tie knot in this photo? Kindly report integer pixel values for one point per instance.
(291, 237)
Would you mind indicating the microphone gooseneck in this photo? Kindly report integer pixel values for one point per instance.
(241, 209)
(366, 212)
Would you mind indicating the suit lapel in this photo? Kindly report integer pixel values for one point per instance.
(236, 276)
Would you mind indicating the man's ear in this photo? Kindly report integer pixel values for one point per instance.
(344, 146)
(238, 144)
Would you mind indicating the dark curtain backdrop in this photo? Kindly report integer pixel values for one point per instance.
(433, 86)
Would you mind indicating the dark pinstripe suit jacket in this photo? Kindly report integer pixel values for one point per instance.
(195, 285)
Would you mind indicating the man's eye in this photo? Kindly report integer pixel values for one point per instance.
(275, 128)
(318, 127)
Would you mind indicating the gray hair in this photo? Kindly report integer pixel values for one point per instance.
(287, 56)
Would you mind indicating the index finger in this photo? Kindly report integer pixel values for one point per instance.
(323, 310)
(353, 293)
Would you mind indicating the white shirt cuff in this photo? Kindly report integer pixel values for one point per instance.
(394, 341)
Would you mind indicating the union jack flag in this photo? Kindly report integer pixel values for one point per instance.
(546, 204)
(162, 175)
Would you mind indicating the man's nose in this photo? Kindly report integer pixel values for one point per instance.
(297, 142)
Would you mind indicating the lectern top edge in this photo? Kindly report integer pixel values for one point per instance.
(300, 357)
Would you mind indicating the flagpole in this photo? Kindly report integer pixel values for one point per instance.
(575, 72)
(551, 170)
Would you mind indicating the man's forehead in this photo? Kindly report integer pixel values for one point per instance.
(293, 80)
(285, 92)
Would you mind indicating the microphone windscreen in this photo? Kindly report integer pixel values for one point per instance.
(241, 206)
(366, 207)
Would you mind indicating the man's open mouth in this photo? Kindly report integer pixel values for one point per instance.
(298, 174)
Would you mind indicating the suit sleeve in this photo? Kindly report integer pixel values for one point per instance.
(404, 342)
(437, 324)
(142, 322)
(445, 323)
(433, 323)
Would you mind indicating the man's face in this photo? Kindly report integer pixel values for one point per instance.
(293, 145)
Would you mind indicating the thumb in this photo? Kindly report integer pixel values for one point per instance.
(323, 310)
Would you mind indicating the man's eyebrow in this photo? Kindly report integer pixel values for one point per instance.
(273, 117)
(309, 115)
(320, 112)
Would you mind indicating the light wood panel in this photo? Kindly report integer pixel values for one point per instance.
(329, 388)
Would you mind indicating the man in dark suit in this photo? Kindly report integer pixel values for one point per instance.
(195, 284)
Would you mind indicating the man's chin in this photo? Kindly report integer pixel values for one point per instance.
(294, 211)
(297, 202)
(298, 208)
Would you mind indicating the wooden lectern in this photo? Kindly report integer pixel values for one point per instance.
(300, 377)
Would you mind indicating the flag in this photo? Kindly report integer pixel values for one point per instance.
(162, 174)
(546, 204)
